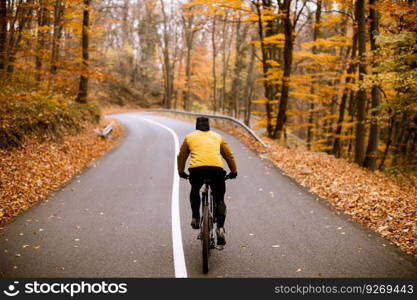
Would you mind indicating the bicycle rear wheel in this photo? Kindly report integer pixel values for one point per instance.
(205, 239)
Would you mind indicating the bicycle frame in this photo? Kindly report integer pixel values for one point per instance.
(207, 200)
(207, 224)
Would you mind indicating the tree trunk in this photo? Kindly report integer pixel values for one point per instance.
(247, 94)
(213, 64)
(337, 145)
(56, 37)
(372, 149)
(167, 59)
(240, 49)
(316, 34)
(329, 129)
(227, 41)
(3, 33)
(239, 57)
(285, 85)
(391, 130)
(267, 86)
(187, 102)
(351, 112)
(180, 93)
(83, 89)
(361, 94)
(336, 151)
(42, 21)
(189, 32)
(412, 154)
(23, 16)
(402, 127)
(404, 144)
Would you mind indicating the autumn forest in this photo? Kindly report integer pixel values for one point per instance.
(336, 76)
(328, 89)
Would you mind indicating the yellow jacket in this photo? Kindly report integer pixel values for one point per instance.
(206, 149)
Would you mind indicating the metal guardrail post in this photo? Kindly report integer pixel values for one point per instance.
(220, 117)
(105, 131)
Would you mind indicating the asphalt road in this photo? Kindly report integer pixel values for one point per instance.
(116, 220)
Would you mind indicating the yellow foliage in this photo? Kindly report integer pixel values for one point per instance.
(300, 125)
(277, 39)
(296, 112)
(331, 19)
(273, 63)
(260, 101)
(303, 95)
(321, 58)
(334, 41)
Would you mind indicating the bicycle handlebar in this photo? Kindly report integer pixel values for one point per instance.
(227, 177)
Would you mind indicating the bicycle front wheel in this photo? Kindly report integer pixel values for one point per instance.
(205, 239)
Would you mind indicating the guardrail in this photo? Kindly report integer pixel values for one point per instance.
(220, 117)
(105, 131)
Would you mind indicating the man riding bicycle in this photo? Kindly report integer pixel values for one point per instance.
(207, 148)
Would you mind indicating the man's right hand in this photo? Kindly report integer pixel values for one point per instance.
(232, 175)
(184, 175)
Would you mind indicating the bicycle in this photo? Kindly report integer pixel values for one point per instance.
(207, 222)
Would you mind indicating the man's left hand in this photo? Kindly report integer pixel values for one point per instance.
(184, 175)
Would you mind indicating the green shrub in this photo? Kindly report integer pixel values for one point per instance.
(48, 117)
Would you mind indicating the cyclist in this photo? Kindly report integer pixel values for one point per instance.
(206, 148)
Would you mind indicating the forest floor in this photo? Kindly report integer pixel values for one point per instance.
(384, 203)
(30, 173)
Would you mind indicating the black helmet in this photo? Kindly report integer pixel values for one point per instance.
(202, 123)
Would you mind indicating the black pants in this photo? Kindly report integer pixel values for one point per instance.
(218, 188)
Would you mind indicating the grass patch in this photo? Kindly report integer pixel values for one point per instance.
(41, 115)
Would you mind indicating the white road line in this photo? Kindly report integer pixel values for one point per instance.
(178, 249)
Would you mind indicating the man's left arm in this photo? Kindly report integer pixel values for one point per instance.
(226, 152)
(182, 157)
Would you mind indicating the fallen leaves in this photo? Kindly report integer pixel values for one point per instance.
(29, 173)
(386, 204)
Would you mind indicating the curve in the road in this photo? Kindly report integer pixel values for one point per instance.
(117, 219)
(178, 250)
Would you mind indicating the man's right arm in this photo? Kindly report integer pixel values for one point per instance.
(228, 156)
(182, 156)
